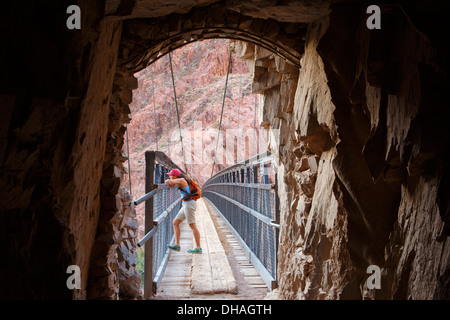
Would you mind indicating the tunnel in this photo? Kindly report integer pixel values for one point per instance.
(356, 114)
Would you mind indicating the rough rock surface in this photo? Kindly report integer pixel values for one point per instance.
(113, 274)
(359, 167)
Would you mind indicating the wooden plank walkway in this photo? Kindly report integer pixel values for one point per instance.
(221, 272)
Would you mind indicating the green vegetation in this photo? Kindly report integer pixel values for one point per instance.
(163, 144)
(139, 148)
(140, 264)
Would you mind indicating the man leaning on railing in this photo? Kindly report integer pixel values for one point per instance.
(187, 211)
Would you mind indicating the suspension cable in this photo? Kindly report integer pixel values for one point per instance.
(239, 112)
(178, 114)
(129, 166)
(170, 119)
(221, 113)
(254, 127)
(154, 106)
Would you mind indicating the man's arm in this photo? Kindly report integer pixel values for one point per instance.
(175, 182)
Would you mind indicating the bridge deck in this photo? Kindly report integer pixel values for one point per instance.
(222, 271)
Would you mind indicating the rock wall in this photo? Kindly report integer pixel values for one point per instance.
(129, 277)
(55, 91)
(362, 161)
(60, 147)
(113, 274)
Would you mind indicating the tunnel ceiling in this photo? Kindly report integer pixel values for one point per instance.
(303, 11)
(153, 28)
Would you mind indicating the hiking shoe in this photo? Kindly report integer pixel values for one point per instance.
(196, 250)
(174, 247)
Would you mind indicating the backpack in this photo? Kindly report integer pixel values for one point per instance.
(195, 191)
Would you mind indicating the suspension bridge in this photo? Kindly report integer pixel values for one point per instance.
(238, 221)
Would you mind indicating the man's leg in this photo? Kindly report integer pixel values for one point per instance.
(176, 230)
(191, 207)
(196, 234)
(181, 215)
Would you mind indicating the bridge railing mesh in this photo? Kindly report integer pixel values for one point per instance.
(162, 203)
(245, 195)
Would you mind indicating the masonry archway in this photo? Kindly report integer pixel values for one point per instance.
(146, 40)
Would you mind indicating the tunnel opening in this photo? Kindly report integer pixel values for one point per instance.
(200, 72)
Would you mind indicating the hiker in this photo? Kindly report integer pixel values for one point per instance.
(187, 210)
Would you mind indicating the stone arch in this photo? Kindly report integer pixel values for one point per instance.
(146, 40)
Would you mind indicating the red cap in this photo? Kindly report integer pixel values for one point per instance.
(174, 172)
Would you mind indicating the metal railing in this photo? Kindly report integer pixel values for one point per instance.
(162, 203)
(245, 195)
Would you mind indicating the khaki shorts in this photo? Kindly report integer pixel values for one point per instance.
(187, 211)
